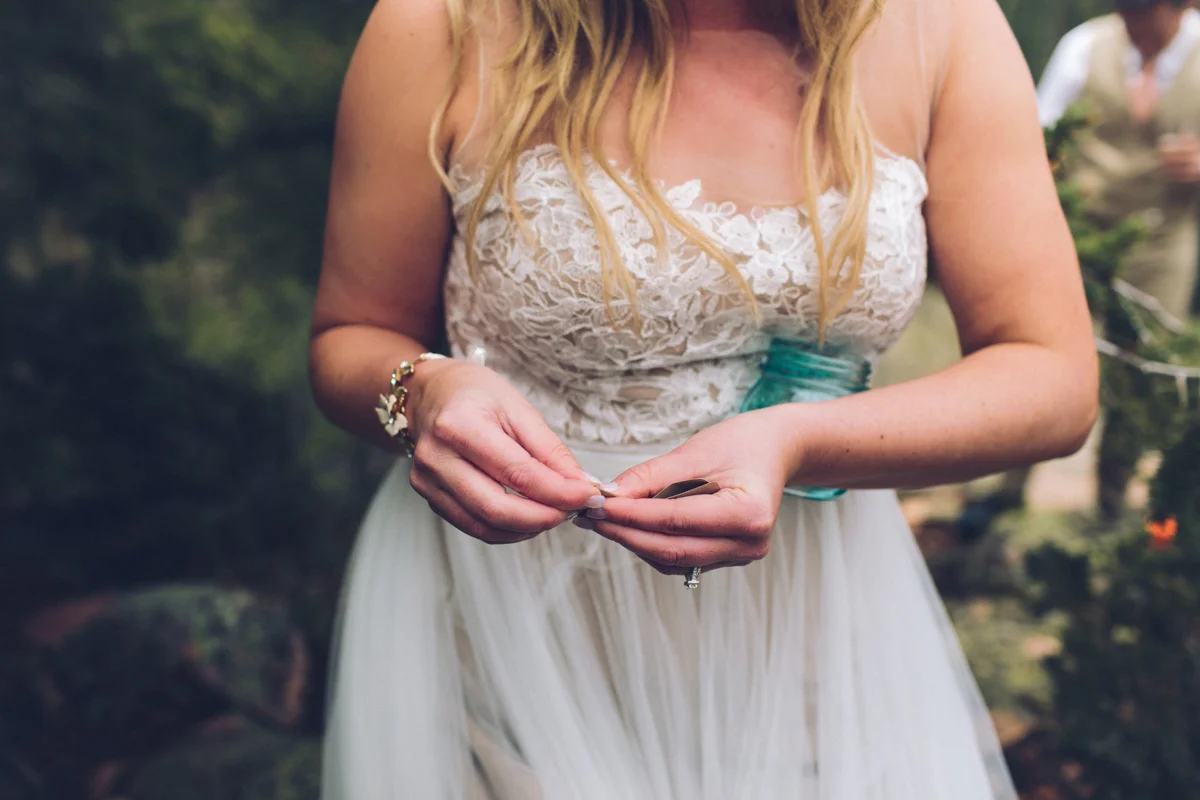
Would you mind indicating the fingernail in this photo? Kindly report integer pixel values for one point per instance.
(584, 522)
(595, 501)
(597, 513)
(609, 489)
(592, 478)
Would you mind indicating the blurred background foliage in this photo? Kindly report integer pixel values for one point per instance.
(1039, 24)
(162, 191)
(174, 514)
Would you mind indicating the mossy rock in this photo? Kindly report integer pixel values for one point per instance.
(153, 664)
(245, 762)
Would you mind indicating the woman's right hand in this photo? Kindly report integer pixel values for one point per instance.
(477, 436)
(380, 293)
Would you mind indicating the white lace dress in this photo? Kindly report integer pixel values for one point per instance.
(564, 668)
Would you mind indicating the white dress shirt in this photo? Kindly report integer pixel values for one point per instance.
(1067, 73)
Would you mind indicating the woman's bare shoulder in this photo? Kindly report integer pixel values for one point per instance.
(402, 67)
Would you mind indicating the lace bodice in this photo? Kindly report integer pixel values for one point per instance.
(537, 305)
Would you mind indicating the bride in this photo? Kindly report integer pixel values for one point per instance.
(610, 209)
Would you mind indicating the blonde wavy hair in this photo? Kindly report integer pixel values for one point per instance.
(560, 74)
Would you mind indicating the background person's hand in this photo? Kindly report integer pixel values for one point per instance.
(746, 456)
(1180, 156)
(477, 436)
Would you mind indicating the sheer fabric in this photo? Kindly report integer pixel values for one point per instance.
(565, 669)
(901, 71)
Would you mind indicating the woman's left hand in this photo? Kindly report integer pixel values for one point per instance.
(746, 456)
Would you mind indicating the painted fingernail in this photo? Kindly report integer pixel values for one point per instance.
(590, 478)
(584, 522)
(595, 501)
(597, 513)
(609, 489)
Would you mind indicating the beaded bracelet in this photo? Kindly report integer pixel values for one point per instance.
(392, 408)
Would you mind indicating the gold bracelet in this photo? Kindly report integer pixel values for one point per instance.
(393, 406)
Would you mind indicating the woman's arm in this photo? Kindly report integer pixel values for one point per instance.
(1026, 389)
(379, 298)
(388, 223)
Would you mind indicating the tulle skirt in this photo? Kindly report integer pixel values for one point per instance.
(564, 668)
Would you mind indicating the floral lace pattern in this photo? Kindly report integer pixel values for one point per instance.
(537, 302)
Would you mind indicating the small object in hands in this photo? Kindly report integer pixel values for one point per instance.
(605, 489)
(692, 488)
(392, 409)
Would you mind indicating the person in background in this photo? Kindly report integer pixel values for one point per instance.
(1139, 72)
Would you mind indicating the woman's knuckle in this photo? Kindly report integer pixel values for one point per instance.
(514, 475)
(446, 427)
(641, 474)
(759, 550)
(670, 556)
(491, 510)
(678, 522)
(560, 452)
(761, 524)
(486, 533)
(422, 455)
